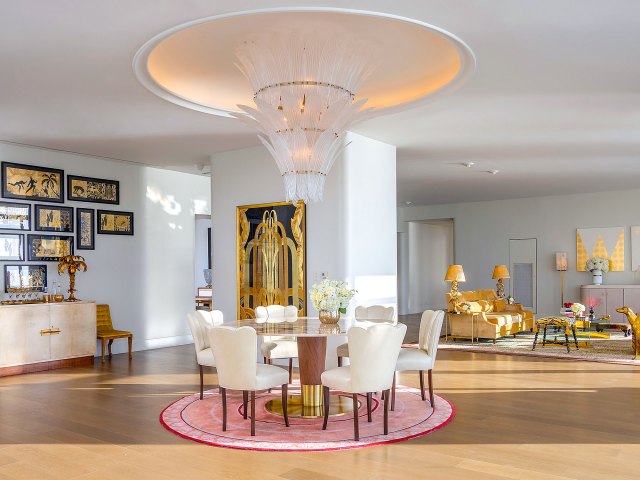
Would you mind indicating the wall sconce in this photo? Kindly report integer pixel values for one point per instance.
(500, 272)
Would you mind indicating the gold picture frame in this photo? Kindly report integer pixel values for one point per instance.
(271, 256)
(29, 182)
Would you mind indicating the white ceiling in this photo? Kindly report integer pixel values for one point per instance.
(554, 103)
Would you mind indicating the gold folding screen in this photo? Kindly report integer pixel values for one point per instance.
(271, 256)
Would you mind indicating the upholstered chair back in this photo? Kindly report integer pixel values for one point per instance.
(376, 314)
(430, 328)
(373, 353)
(103, 318)
(277, 311)
(198, 321)
(235, 351)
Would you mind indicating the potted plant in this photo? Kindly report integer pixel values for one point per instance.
(597, 266)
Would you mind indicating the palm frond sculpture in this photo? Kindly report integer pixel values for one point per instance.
(71, 263)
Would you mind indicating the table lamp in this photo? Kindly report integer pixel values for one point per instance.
(454, 275)
(562, 264)
(500, 272)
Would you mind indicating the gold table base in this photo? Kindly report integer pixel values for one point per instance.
(340, 405)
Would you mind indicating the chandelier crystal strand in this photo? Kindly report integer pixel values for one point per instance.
(304, 90)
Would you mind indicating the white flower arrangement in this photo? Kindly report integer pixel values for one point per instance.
(577, 309)
(331, 295)
(598, 263)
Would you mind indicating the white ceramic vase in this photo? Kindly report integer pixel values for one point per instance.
(597, 277)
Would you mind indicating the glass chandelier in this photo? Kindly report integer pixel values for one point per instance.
(304, 90)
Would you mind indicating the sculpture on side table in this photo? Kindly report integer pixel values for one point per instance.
(71, 263)
(635, 329)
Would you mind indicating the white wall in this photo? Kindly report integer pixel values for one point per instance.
(371, 217)
(483, 230)
(147, 279)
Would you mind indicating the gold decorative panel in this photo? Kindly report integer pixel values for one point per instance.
(271, 256)
(600, 242)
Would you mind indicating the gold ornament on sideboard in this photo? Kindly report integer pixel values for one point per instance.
(72, 263)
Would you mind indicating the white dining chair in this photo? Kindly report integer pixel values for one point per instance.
(424, 357)
(198, 322)
(374, 314)
(276, 347)
(235, 350)
(374, 354)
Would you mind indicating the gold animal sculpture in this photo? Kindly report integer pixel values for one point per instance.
(72, 263)
(634, 320)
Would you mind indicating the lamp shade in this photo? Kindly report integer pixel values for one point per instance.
(500, 271)
(455, 272)
(562, 261)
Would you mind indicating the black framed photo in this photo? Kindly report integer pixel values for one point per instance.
(51, 218)
(11, 247)
(32, 277)
(28, 182)
(85, 233)
(15, 216)
(48, 248)
(115, 223)
(97, 190)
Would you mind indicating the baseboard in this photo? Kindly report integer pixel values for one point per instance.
(43, 366)
(120, 345)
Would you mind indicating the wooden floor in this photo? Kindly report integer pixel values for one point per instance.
(517, 418)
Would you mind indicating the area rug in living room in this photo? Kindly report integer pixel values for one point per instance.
(201, 421)
(616, 349)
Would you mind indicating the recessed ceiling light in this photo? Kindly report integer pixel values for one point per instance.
(493, 172)
(469, 164)
(408, 203)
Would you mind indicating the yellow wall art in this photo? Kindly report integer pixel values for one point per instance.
(607, 242)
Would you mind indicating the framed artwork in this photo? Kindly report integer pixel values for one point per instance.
(97, 190)
(271, 256)
(51, 218)
(115, 223)
(33, 277)
(48, 248)
(28, 182)
(605, 242)
(11, 247)
(85, 233)
(15, 216)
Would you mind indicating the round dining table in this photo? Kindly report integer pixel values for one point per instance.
(311, 336)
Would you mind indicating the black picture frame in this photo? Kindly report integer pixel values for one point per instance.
(31, 182)
(53, 218)
(94, 190)
(110, 222)
(85, 229)
(15, 216)
(7, 247)
(36, 274)
(34, 247)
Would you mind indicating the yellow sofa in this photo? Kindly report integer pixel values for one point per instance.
(492, 317)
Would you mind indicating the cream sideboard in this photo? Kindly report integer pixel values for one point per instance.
(45, 336)
(609, 297)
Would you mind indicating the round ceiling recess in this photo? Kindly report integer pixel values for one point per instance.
(194, 64)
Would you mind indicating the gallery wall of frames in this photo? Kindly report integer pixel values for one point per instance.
(37, 227)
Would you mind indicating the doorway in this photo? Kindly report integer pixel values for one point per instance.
(423, 258)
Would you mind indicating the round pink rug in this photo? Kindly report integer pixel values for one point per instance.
(201, 421)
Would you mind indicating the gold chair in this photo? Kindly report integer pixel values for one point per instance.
(105, 330)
